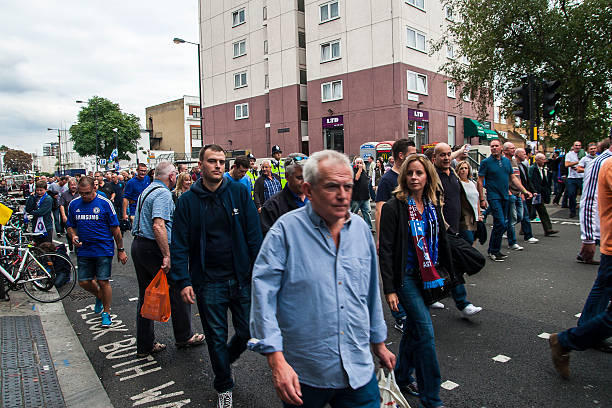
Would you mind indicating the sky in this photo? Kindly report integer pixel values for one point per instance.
(54, 52)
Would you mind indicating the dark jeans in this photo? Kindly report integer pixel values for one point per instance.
(498, 209)
(57, 221)
(459, 292)
(367, 396)
(525, 220)
(417, 350)
(147, 259)
(601, 292)
(214, 299)
(573, 185)
(599, 327)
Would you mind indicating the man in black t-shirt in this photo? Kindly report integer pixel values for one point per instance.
(105, 187)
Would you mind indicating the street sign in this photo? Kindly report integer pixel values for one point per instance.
(102, 162)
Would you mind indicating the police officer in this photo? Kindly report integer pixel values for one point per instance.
(252, 172)
(278, 165)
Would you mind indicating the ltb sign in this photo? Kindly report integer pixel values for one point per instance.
(333, 121)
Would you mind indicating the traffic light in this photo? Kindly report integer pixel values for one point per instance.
(550, 97)
(522, 102)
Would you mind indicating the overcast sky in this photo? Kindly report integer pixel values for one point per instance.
(54, 52)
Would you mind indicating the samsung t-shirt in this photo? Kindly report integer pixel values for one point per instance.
(93, 222)
(497, 177)
(132, 191)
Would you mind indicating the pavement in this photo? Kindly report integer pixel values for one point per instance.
(498, 358)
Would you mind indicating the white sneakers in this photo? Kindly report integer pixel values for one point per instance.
(437, 305)
(225, 400)
(470, 310)
(516, 247)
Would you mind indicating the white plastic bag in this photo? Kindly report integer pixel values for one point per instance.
(390, 394)
(40, 228)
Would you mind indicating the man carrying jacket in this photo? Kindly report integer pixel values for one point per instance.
(215, 239)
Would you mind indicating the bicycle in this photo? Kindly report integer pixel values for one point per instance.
(45, 277)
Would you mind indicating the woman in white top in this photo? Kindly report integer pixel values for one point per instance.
(470, 212)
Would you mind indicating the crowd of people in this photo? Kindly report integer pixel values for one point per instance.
(253, 241)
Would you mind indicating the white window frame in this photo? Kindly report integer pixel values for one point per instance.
(242, 107)
(453, 127)
(450, 51)
(328, 6)
(448, 13)
(417, 75)
(331, 85)
(237, 14)
(414, 3)
(451, 90)
(238, 43)
(416, 34)
(330, 44)
(265, 47)
(242, 78)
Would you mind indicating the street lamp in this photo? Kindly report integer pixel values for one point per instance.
(95, 106)
(181, 41)
(59, 149)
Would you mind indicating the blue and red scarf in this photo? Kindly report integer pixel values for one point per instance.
(426, 247)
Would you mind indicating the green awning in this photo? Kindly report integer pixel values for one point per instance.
(473, 128)
(491, 134)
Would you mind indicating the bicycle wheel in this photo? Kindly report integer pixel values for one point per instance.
(48, 277)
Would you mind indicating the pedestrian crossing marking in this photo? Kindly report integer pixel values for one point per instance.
(544, 335)
(449, 385)
(501, 358)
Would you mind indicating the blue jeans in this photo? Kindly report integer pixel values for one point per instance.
(525, 221)
(367, 396)
(515, 212)
(601, 292)
(573, 184)
(57, 220)
(417, 350)
(498, 209)
(599, 327)
(364, 206)
(458, 292)
(214, 299)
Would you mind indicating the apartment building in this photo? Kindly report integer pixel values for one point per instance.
(314, 74)
(175, 126)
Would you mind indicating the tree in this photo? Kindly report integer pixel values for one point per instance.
(109, 117)
(17, 161)
(553, 39)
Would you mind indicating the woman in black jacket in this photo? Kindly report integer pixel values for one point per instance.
(414, 256)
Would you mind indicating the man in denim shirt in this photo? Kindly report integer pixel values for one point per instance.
(316, 306)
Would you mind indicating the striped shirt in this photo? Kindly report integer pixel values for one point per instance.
(271, 187)
(589, 211)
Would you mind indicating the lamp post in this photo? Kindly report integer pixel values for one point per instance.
(95, 106)
(181, 41)
(59, 150)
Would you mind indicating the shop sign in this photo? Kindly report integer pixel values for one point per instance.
(333, 121)
(418, 115)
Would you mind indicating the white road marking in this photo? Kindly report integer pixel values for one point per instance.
(449, 385)
(501, 358)
(133, 299)
(544, 335)
(578, 315)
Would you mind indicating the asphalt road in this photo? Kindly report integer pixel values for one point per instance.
(536, 291)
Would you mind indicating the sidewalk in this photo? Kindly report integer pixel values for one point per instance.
(42, 362)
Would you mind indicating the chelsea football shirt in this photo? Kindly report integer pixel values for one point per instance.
(93, 222)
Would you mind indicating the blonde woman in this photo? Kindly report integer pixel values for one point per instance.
(470, 211)
(183, 184)
(413, 249)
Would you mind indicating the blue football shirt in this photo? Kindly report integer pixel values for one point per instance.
(133, 188)
(93, 222)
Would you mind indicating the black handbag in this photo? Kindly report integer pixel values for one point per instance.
(466, 258)
(434, 295)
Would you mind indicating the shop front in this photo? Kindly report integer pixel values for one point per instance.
(418, 127)
(333, 133)
(473, 128)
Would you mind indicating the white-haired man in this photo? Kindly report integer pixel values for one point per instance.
(267, 185)
(314, 280)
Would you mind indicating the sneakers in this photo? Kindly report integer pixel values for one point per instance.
(516, 247)
(470, 310)
(411, 389)
(106, 320)
(400, 324)
(536, 219)
(497, 257)
(437, 305)
(99, 306)
(532, 240)
(225, 400)
(560, 356)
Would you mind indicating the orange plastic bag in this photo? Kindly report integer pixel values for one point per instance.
(156, 305)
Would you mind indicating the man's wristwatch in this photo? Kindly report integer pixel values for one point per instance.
(121, 249)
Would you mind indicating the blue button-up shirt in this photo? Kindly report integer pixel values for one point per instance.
(318, 304)
(271, 187)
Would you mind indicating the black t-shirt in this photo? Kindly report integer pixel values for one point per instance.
(386, 185)
(218, 257)
(361, 189)
(452, 199)
(118, 189)
(107, 189)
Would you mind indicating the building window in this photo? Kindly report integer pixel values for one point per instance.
(328, 11)
(265, 46)
(242, 111)
(330, 51)
(194, 111)
(450, 89)
(238, 17)
(300, 5)
(331, 91)
(303, 77)
(303, 112)
(417, 3)
(451, 130)
(450, 51)
(240, 80)
(239, 48)
(301, 39)
(196, 133)
(466, 97)
(416, 39)
(417, 82)
(266, 81)
(265, 13)
(449, 13)
(464, 60)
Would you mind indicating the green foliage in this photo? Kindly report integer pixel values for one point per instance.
(17, 161)
(553, 39)
(109, 116)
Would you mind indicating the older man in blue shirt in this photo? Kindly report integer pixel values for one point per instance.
(316, 308)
